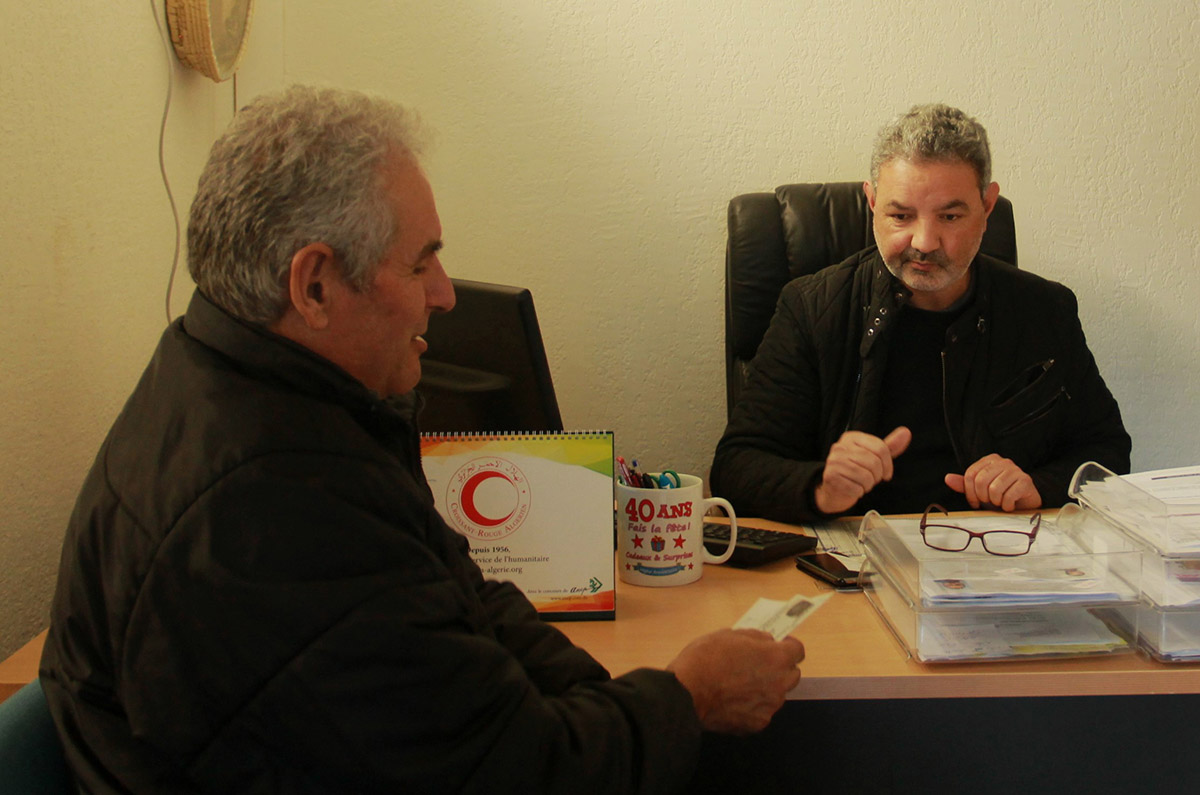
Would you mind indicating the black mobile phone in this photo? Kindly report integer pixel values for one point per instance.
(827, 568)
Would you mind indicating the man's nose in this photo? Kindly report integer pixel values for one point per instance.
(440, 295)
(925, 237)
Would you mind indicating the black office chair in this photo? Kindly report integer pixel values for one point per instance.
(795, 231)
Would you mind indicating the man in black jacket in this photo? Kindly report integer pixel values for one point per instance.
(257, 593)
(919, 371)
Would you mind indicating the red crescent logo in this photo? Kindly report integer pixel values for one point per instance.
(468, 499)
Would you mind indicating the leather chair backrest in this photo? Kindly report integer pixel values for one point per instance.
(795, 231)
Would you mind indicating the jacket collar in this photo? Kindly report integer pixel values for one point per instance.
(271, 357)
(887, 295)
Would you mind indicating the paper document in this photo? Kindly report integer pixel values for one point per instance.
(1057, 570)
(1162, 507)
(1179, 486)
(970, 635)
(840, 537)
(777, 618)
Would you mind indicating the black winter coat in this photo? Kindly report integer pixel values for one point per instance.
(257, 595)
(1019, 381)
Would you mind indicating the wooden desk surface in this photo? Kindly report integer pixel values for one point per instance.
(22, 667)
(850, 653)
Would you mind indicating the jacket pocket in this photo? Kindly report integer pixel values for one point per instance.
(1026, 380)
(1036, 415)
(1028, 400)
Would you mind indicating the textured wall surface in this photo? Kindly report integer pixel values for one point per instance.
(87, 244)
(588, 150)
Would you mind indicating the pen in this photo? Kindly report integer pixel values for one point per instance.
(623, 472)
(643, 480)
(646, 480)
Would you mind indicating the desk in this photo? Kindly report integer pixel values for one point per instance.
(850, 653)
(22, 667)
(865, 718)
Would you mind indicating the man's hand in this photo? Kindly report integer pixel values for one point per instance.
(857, 462)
(994, 481)
(738, 677)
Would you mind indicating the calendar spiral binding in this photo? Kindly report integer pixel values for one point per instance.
(454, 436)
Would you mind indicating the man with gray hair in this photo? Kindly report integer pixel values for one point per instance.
(919, 371)
(257, 593)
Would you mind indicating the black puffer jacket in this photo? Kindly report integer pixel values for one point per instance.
(257, 595)
(1019, 381)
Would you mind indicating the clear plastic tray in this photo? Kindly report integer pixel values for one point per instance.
(1169, 634)
(1075, 592)
(1168, 534)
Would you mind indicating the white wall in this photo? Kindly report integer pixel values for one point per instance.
(87, 241)
(588, 150)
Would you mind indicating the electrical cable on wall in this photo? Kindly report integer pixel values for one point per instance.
(208, 36)
(162, 161)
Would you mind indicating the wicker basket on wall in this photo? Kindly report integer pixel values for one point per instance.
(210, 35)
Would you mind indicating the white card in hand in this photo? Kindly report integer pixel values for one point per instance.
(779, 618)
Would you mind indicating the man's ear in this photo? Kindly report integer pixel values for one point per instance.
(989, 198)
(309, 283)
(870, 193)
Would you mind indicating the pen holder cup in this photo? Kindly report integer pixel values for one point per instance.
(660, 533)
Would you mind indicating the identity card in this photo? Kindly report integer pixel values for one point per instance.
(777, 618)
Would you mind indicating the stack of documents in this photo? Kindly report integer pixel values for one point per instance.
(1056, 570)
(974, 636)
(1075, 591)
(840, 537)
(1163, 506)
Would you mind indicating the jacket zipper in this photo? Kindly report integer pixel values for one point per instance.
(854, 399)
(946, 416)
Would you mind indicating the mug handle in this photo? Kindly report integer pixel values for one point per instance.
(722, 503)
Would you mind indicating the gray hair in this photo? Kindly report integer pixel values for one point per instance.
(934, 132)
(302, 166)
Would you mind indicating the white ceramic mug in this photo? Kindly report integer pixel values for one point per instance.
(660, 533)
